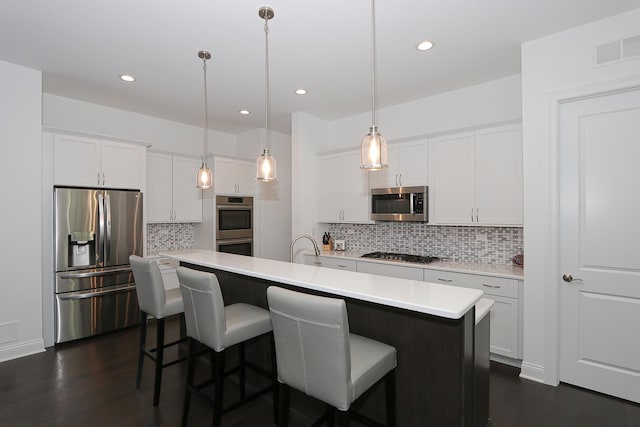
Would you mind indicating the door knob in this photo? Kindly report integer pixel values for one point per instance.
(569, 278)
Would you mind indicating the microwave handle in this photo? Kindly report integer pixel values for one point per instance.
(411, 203)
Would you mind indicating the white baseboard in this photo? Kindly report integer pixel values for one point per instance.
(21, 349)
(516, 363)
(532, 372)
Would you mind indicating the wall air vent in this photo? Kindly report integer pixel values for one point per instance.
(619, 50)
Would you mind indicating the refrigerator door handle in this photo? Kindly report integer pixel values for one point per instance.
(107, 248)
(100, 249)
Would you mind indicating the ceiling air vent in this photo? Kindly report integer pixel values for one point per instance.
(618, 50)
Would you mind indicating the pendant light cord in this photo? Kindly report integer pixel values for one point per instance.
(266, 83)
(373, 63)
(206, 113)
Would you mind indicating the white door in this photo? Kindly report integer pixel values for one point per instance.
(600, 240)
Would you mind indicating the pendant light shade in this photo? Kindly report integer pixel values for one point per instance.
(266, 164)
(373, 148)
(204, 178)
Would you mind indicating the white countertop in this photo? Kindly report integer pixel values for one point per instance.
(496, 270)
(430, 298)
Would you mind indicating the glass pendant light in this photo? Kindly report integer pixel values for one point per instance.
(266, 163)
(204, 178)
(373, 148)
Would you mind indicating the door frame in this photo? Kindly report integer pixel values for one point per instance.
(552, 272)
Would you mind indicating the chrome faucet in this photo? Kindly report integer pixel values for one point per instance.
(306, 236)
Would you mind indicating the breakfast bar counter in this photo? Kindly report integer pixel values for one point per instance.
(440, 355)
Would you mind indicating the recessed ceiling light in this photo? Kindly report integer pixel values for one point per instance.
(425, 45)
(301, 91)
(127, 78)
(244, 112)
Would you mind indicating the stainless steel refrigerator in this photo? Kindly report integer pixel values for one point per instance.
(95, 232)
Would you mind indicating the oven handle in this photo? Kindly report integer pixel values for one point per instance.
(234, 208)
(95, 273)
(76, 296)
(234, 241)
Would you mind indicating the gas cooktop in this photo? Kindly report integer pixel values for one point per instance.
(390, 256)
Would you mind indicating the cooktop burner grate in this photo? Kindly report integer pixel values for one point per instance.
(390, 256)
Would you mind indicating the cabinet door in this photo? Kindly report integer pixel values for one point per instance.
(452, 179)
(387, 177)
(187, 199)
(159, 197)
(121, 164)
(224, 176)
(331, 262)
(354, 184)
(77, 161)
(245, 177)
(330, 191)
(400, 271)
(504, 327)
(499, 175)
(413, 164)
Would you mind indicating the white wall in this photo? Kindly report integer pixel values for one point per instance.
(273, 199)
(492, 102)
(20, 178)
(309, 135)
(165, 135)
(556, 66)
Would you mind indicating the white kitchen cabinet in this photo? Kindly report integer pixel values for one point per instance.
(232, 176)
(506, 324)
(330, 262)
(476, 177)
(343, 189)
(379, 269)
(172, 195)
(407, 166)
(88, 162)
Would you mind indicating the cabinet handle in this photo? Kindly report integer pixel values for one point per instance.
(471, 214)
(341, 266)
(317, 263)
(103, 179)
(396, 180)
(98, 178)
(477, 212)
(491, 286)
(445, 280)
(400, 179)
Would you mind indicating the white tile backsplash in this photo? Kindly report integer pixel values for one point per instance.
(492, 245)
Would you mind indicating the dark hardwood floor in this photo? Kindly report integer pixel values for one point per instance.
(92, 383)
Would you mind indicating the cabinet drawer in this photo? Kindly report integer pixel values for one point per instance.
(400, 271)
(489, 285)
(341, 264)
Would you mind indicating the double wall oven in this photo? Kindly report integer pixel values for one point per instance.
(234, 224)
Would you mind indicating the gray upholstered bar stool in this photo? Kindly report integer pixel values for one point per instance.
(218, 327)
(154, 300)
(317, 355)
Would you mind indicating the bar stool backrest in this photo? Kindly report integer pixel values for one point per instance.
(149, 286)
(203, 307)
(312, 344)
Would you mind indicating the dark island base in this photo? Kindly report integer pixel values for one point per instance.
(439, 378)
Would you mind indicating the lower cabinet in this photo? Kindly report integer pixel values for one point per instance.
(380, 269)
(505, 314)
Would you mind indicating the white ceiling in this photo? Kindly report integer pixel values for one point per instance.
(323, 46)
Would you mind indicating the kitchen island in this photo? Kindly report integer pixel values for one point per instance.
(432, 327)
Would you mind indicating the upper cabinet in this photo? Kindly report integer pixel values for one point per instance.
(87, 162)
(407, 166)
(343, 189)
(476, 177)
(231, 176)
(172, 195)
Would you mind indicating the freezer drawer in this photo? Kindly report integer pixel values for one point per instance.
(86, 313)
(96, 278)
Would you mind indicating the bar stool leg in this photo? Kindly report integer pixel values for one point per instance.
(191, 362)
(159, 360)
(219, 387)
(283, 412)
(390, 392)
(143, 338)
(243, 371)
(343, 418)
(274, 380)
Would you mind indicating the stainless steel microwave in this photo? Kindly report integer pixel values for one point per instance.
(400, 204)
